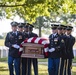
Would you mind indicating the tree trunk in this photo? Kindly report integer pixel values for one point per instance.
(39, 24)
(39, 30)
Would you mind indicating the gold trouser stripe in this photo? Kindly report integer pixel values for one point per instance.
(67, 67)
(21, 66)
(59, 67)
(64, 67)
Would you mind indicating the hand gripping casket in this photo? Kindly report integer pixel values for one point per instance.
(35, 47)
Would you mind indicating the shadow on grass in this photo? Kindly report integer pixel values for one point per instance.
(3, 69)
(74, 73)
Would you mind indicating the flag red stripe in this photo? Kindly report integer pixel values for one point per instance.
(33, 40)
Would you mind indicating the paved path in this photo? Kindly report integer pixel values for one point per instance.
(46, 63)
(74, 64)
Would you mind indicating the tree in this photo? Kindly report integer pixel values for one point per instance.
(41, 22)
(31, 9)
(4, 35)
(1, 37)
(44, 23)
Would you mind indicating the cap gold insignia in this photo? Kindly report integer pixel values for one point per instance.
(11, 36)
(20, 37)
(56, 39)
(62, 41)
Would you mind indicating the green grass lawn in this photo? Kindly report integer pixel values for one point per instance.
(74, 60)
(45, 60)
(41, 68)
(40, 60)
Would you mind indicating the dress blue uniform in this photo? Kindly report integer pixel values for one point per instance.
(13, 40)
(67, 55)
(32, 60)
(25, 60)
(20, 27)
(55, 47)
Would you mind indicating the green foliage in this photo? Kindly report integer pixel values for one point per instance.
(42, 69)
(4, 35)
(31, 9)
(1, 37)
(74, 60)
(3, 59)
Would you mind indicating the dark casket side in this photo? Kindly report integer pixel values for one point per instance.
(32, 50)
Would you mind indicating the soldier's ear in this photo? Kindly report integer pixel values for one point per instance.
(72, 30)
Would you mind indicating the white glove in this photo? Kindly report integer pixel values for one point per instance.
(52, 50)
(16, 46)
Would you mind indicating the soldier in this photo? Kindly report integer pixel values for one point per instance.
(61, 32)
(64, 29)
(55, 47)
(69, 50)
(25, 60)
(25, 33)
(13, 41)
(32, 60)
(30, 29)
(60, 29)
(20, 27)
(67, 54)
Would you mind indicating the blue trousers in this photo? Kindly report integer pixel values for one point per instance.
(24, 66)
(53, 66)
(14, 63)
(65, 68)
(35, 66)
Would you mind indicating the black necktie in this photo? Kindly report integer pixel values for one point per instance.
(14, 34)
(52, 36)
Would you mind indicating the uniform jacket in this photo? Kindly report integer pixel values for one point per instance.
(29, 35)
(12, 39)
(69, 47)
(25, 35)
(32, 35)
(58, 43)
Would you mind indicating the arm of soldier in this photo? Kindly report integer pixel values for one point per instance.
(73, 41)
(36, 35)
(23, 37)
(51, 49)
(17, 46)
(7, 41)
(61, 45)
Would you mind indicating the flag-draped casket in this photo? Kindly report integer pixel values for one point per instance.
(35, 47)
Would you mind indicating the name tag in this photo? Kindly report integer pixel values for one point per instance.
(20, 37)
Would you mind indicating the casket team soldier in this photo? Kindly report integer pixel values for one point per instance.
(61, 32)
(55, 47)
(63, 35)
(25, 60)
(25, 33)
(67, 55)
(20, 27)
(32, 60)
(64, 29)
(13, 40)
